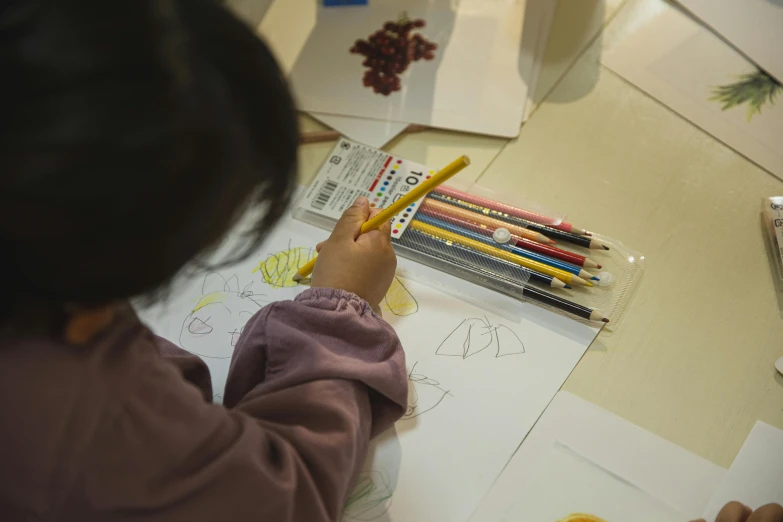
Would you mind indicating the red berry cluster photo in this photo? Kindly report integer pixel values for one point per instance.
(389, 51)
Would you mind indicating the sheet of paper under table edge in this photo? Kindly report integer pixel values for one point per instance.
(677, 477)
(441, 462)
(755, 478)
(563, 483)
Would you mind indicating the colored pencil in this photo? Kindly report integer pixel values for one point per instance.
(550, 232)
(444, 251)
(386, 214)
(564, 276)
(475, 222)
(430, 202)
(512, 211)
(535, 256)
(511, 271)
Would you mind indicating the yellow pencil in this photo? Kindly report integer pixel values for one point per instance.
(564, 276)
(386, 214)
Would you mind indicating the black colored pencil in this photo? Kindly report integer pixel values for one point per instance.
(497, 267)
(476, 269)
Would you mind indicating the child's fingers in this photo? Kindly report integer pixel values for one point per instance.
(768, 513)
(733, 512)
(385, 229)
(319, 246)
(379, 237)
(350, 224)
(376, 236)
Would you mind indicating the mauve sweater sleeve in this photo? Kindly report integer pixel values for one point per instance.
(311, 381)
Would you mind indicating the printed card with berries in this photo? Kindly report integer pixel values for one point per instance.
(439, 63)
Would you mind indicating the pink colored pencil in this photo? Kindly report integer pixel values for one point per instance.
(508, 209)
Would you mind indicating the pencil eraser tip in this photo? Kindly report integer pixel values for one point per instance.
(501, 235)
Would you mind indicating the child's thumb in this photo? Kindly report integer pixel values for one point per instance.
(350, 224)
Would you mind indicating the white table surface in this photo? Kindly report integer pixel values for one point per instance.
(693, 358)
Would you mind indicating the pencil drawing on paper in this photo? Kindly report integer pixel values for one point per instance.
(475, 335)
(424, 394)
(370, 496)
(214, 324)
(278, 269)
(399, 300)
(755, 89)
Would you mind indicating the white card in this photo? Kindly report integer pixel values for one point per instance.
(756, 475)
(566, 485)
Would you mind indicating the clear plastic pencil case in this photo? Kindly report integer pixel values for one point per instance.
(516, 251)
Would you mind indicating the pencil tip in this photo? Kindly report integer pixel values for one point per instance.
(297, 278)
(599, 267)
(605, 320)
(552, 242)
(605, 247)
(595, 278)
(568, 286)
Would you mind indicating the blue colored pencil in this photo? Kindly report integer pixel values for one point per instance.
(535, 256)
(485, 262)
(481, 273)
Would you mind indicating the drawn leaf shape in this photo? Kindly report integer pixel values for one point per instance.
(508, 342)
(213, 282)
(399, 300)
(370, 497)
(469, 338)
(232, 285)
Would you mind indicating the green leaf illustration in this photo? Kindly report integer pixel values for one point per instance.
(756, 89)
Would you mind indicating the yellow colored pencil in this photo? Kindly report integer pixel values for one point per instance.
(386, 214)
(564, 276)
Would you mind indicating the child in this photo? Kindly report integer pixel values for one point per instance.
(134, 134)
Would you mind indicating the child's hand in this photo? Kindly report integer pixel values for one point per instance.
(736, 512)
(363, 264)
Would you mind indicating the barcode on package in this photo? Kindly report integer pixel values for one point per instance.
(353, 169)
(323, 196)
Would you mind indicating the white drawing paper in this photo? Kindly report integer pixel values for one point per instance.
(756, 475)
(753, 26)
(680, 479)
(471, 81)
(685, 66)
(564, 484)
(477, 381)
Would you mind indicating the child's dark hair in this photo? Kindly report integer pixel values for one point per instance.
(132, 135)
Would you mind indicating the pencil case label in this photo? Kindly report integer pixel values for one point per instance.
(354, 170)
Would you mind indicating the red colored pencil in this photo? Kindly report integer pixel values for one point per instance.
(558, 253)
(483, 219)
(513, 211)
